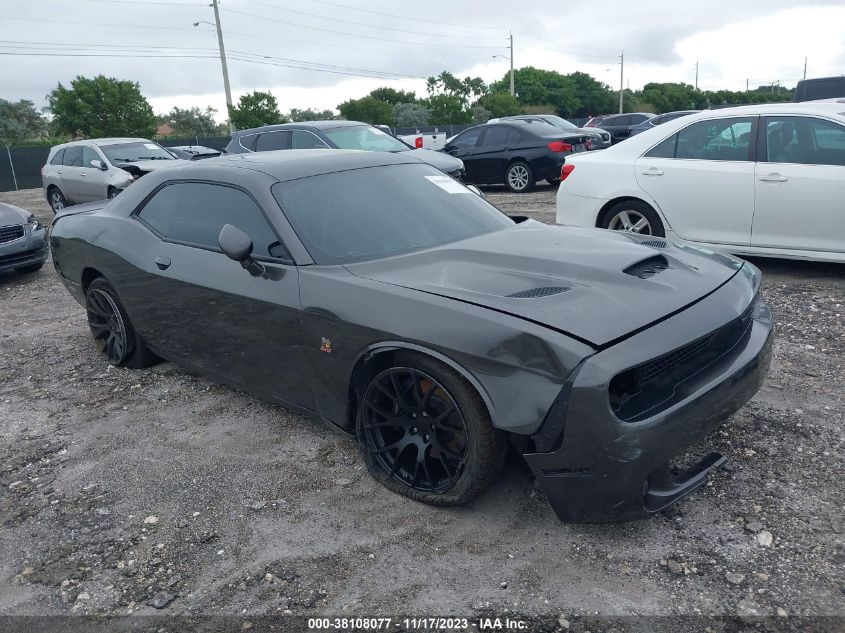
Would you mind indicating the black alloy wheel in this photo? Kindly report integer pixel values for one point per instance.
(107, 326)
(414, 430)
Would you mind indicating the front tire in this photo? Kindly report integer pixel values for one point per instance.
(113, 333)
(57, 199)
(634, 216)
(519, 178)
(425, 433)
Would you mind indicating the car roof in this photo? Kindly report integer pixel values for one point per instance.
(302, 163)
(636, 145)
(317, 125)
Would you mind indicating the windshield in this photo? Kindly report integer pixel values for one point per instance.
(365, 137)
(563, 124)
(135, 151)
(376, 212)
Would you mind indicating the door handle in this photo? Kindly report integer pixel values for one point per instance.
(775, 177)
(83, 174)
(58, 171)
(163, 263)
(653, 171)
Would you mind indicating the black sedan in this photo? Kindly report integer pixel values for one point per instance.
(619, 125)
(335, 134)
(371, 291)
(516, 153)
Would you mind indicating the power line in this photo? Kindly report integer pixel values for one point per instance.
(364, 24)
(404, 17)
(368, 37)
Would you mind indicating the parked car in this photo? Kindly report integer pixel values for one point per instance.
(619, 125)
(23, 240)
(192, 152)
(515, 153)
(335, 135)
(819, 88)
(99, 168)
(601, 138)
(593, 121)
(369, 290)
(660, 119)
(755, 180)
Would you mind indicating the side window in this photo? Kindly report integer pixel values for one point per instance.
(495, 136)
(302, 139)
(73, 156)
(804, 140)
(664, 149)
(57, 159)
(514, 137)
(194, 213)
(270, 141)
(89, 154)
(468, 139)
(715, 139)
(248, 141)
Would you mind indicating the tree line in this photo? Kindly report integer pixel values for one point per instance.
(105, 106)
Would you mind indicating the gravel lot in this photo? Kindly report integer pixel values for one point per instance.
(159, 492)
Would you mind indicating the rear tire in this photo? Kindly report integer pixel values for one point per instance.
(519, 178)
(113, 193)
(56, 199)
(634, 216)
(438, 457)
(112, 330)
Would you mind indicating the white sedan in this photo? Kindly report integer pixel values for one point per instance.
(753, 180)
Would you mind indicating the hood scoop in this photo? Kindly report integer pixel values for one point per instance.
(655, 244)
(648, 267)
(537, 293)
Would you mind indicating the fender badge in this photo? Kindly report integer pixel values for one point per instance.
(326, 345)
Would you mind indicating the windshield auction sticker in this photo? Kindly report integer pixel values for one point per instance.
(448, 184)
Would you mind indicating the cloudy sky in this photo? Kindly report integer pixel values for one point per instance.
(318, 53)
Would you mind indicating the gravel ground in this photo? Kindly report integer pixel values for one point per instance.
(159, 492)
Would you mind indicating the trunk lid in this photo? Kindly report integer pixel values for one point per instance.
(595, 285)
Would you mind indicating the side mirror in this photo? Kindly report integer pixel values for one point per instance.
(98, 164)
(238, 246)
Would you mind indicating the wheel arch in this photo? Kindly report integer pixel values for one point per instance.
(381, 355)
(607, 206)
(89, 274)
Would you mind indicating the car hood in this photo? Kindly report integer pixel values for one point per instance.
(10, 215)
(440, 160)
(591, 284)
(155, 165)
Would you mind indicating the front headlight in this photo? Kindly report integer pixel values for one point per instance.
(34, 224)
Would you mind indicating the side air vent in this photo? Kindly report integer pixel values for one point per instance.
(647, 267)
(655, 243)
(536, 293)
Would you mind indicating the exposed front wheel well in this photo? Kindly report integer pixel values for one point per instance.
(89, 275)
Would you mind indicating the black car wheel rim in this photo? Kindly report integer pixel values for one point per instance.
(414, 430)
(631, 221)
(107, 326)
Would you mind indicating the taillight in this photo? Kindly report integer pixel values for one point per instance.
(565, 171)
(418, 142)
(559, 146)
(43, 169)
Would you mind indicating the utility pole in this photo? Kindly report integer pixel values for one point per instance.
(746, 84)
(223, 64)
(621, 79)
(805, 67)
(696, 75)
(513, 92)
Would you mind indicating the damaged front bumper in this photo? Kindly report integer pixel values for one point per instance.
(598, 460)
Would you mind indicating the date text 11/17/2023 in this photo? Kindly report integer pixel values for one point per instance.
(417, 623)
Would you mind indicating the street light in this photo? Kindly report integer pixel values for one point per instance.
(216, 24)
(513, 92)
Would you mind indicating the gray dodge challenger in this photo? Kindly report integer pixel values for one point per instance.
(372, 291)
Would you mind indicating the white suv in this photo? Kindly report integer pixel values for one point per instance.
(100, 168)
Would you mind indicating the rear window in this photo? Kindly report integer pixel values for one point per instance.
(365, 214)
